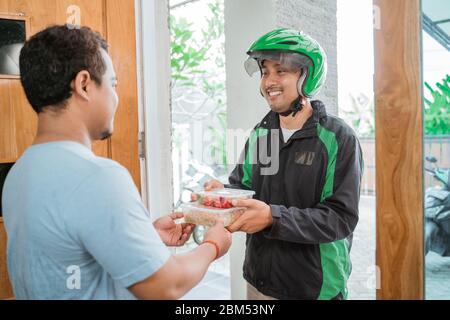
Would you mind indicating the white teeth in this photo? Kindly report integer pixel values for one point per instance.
(274, 93)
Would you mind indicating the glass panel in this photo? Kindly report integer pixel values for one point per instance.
(199, 117)
(12, 38)
(356, 107)
(436, 91)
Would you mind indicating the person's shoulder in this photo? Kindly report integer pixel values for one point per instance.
(338, 126)
(106, 164)
(108, 169)
(269, 121)
(78, 155)
(73, 161)
(104, 178)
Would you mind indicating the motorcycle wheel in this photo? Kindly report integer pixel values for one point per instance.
(431, 230)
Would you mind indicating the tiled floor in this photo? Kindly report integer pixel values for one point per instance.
(216, 283)
(362, 282)
(437, 277)
(214, 286)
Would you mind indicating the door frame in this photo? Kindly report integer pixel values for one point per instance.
(399, 149)
(153, 43)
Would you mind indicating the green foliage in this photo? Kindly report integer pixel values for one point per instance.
(191, 53)
(186, 53)
(437, 112)
(360, 115)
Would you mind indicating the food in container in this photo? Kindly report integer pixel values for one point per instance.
(208, 216)
(221, 198)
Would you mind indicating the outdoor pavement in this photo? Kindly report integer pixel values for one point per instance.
(437, 277)
(362, 282)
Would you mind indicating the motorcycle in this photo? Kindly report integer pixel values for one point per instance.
(437, 211)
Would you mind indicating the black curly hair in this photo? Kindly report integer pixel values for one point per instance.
(52, 58)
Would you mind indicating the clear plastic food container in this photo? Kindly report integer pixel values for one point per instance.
(208, 216)
(221, 198)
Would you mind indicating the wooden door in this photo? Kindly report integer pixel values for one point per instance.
(114, 19)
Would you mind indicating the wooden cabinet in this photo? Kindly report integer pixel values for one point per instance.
(114, 19)
(18, 121)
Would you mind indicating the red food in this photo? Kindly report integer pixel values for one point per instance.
(220, 202)
(207, 202)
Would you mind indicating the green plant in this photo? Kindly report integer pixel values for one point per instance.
(437, 112)
(186, 53)
(360, 114)
(190, 52)
(197, 61)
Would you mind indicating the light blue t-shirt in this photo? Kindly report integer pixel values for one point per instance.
(76, 226)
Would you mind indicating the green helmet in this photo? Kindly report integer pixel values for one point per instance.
(295, 50)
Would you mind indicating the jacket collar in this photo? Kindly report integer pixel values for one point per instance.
(272, 120)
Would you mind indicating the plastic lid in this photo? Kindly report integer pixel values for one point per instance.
(227, 193)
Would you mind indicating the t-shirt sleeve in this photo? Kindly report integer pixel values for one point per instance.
(110, 221)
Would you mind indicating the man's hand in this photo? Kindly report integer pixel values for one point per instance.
(257, 217)
(173, 234)
(208, 186)
(219, 235)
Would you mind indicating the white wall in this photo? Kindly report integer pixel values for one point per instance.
(318, 19)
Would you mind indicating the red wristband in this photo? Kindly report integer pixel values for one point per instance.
(215, 246)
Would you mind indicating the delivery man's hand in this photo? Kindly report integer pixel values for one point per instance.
(171, 233)
(257, 217)
(208, 186)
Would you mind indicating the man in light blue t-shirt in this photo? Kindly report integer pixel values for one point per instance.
(76, 225)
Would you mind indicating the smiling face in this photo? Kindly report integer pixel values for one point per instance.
(278, 85)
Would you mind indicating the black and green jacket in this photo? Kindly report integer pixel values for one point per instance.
(314, 198)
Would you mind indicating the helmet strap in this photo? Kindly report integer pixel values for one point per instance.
(301, 81)
(296, 105)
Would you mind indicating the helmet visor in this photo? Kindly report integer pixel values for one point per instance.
(290, 60)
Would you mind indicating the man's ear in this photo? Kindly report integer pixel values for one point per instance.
(81, 83)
